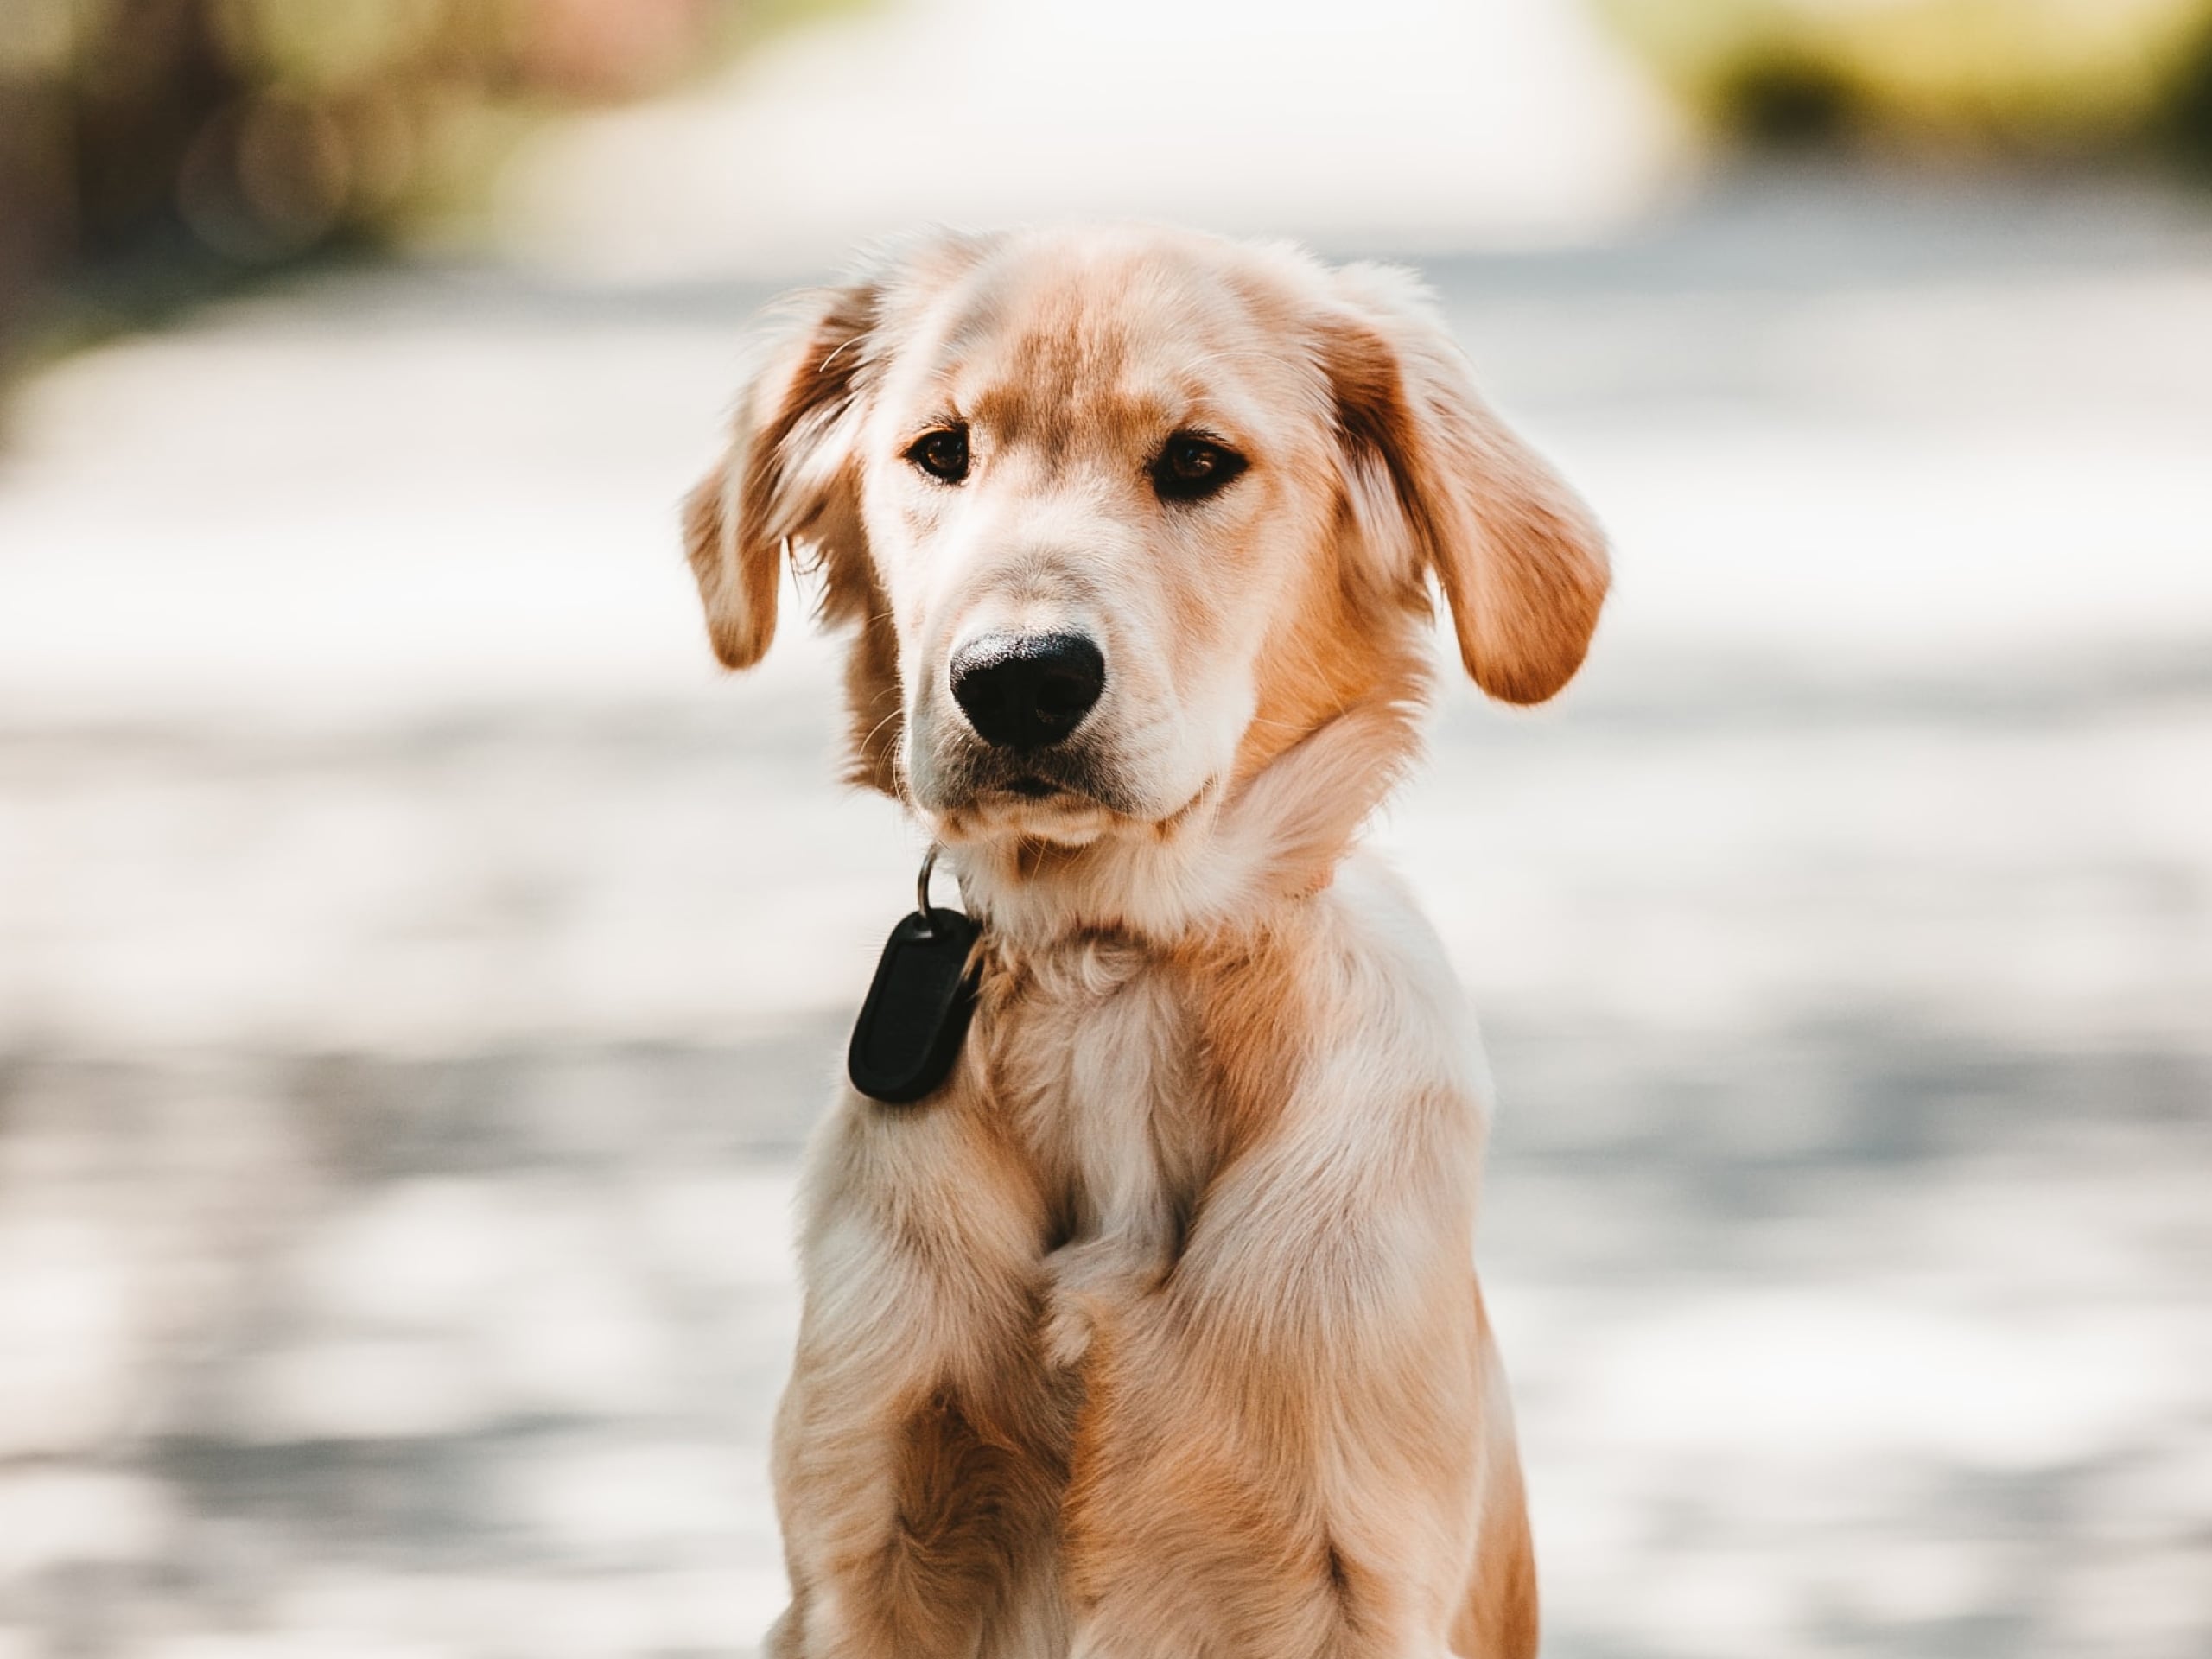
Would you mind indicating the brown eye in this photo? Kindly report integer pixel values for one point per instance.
(1191, 467)
(942, 453)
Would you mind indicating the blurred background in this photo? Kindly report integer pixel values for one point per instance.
(418, 969)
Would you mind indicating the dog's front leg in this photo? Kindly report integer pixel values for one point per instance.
(1281, 1451)
(920, 1449)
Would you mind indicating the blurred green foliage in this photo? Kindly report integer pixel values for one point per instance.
(152, 150)
(2056, 78)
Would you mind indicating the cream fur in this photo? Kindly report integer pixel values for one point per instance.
(1155, 1331)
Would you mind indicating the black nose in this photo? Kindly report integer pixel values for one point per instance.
(1026, 691)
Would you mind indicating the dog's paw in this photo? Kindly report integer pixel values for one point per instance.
(1084, 1284)
(1064, 1337)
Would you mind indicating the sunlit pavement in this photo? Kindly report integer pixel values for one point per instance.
(1415, 124)
(418, 971)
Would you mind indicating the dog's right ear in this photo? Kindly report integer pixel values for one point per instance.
(789, 477)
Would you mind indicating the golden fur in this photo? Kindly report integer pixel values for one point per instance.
(1155, 1331)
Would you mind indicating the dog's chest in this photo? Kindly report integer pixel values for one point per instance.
(1097, 1066)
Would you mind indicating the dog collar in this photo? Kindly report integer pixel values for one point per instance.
(918, 1005)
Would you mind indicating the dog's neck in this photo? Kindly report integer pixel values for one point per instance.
(1222, 867)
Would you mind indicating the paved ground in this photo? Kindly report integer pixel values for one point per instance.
(417, 972)
(1418, 124)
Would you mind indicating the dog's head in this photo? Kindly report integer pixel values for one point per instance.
(1121, 515)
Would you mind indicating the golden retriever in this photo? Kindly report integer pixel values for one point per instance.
(1154, 1330)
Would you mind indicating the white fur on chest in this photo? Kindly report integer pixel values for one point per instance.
(1107, 1087)
(1102, 1080)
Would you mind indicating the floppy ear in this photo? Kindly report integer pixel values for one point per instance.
(787, 478)
(1520, 561)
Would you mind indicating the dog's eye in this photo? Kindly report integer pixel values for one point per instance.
(1191, 467)
(942, 453)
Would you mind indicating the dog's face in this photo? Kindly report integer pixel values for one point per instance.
(1093, 488)
(1121, 515)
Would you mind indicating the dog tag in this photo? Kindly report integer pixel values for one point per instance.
(917, 1008)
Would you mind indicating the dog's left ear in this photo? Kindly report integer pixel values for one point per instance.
(1520, 559)
(788, 477)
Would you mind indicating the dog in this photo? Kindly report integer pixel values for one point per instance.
(1154, 1329)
